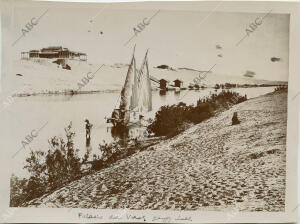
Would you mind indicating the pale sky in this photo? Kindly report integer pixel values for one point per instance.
(175, 38)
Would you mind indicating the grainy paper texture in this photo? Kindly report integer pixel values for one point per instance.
(166, 112)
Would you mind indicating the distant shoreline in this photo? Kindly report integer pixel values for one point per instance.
(74, 92)
(70, 92)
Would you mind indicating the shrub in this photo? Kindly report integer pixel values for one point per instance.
(169, 120)
(113, 152)
(61, 164)
(48, 171)
(17, 195)
(62, 161)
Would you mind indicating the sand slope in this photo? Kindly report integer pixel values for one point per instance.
(211, 166)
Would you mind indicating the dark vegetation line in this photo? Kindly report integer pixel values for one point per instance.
(61, 164)
(171, 120)
(232, 85)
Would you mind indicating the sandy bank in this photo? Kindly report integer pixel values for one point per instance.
(45, 77)
(211, 166)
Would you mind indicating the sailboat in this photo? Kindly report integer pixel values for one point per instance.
(136, 96)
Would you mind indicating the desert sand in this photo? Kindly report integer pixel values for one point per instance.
(213, 166)
(45, 77)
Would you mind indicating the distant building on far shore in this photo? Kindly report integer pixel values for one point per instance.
(178, 83)
(163, 83)
(54, 52)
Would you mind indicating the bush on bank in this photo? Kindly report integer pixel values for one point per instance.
(49, 171)
(169, 120)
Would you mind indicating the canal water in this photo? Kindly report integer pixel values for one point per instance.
(52, 113)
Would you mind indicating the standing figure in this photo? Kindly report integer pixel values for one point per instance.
(88, 128)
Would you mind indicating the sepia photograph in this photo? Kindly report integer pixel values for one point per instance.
(121, 108)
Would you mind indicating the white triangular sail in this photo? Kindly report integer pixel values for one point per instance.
(144, 88)
(129, 91)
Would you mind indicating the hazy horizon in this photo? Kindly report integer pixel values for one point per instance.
(174, 38)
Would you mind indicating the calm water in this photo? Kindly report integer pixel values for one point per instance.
(28, 113)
